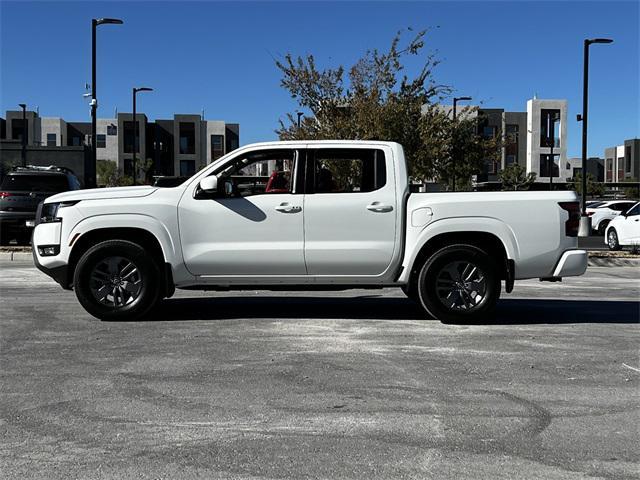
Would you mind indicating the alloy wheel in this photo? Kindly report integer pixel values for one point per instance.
(116, 282)
(461, 285)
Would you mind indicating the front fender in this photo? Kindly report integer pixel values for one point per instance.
(418, 239)
(170, 250)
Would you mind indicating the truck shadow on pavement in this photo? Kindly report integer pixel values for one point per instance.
(508, 312)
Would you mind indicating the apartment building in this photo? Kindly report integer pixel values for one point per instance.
(528, 139)
(622, 162)
(178, 146)
(546, 140)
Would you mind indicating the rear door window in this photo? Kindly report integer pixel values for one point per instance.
(349, 170)
(35, 183)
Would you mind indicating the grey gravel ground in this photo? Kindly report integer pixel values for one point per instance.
(326, 385)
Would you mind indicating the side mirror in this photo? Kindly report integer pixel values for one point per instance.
(209, 184)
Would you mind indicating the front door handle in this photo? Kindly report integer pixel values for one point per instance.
(286, 208)
(379, 207)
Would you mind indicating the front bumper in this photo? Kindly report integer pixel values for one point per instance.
(572, 263)
(60, 274)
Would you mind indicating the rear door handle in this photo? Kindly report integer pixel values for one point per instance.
(379, 207)
(286, 208)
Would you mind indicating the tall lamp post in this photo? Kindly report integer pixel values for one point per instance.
(455, 152)
(585, 221)
(300, 114)
(23, 106)
(551, 140)
(91, 175)
(135, 91)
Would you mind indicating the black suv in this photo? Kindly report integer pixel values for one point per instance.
(21, 190)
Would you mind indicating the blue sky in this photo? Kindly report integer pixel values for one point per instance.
(219, 56)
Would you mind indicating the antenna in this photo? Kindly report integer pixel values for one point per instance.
(202, 118)
(115, 112)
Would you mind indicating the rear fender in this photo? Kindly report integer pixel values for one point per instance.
(459, 225)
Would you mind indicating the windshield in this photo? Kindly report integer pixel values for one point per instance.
(35, 183)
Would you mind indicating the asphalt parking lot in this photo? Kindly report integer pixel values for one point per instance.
(352, 385)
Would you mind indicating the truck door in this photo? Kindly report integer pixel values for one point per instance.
(351, 211)
(243, 229)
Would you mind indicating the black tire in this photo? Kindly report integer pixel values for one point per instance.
(24, 237)
(4, 236)
(453, 299)
(602, 227)
(143, 276)
(612, 240)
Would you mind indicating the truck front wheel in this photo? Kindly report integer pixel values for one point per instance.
(459, 283)
(117, 280)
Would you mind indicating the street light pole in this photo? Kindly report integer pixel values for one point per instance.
(454, 149)
(91, 176)
(24, 134)
(135, 124)
(300, 114)
(551, 130)
(585, 221)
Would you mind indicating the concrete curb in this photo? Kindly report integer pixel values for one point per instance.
(614, 262)
(17, 256)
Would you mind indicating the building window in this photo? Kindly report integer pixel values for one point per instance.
(101, 140)
(76, 141)
(511, 144)
(232, 140)
(187, 138)
(217, 146)
(187, 168)
(546, 166)
(620, 168)
(18, 129)
(489, 131)
(128, 137)
(549, 127)
(52, 140)
(627, 157)
(112, 130)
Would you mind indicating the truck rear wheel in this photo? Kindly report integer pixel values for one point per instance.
(117, 280)
(459, 283)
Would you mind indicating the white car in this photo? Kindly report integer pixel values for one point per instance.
(624, 230)
(601, 215)
(335, 215)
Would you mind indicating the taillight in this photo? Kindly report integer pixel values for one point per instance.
(590, 213)
(573, 222)
(4, 194)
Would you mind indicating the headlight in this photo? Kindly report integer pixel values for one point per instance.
(48, 212)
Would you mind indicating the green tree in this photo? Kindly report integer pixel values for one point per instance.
(594, 189)
(107, 172)
(632, 191)
(375, 99)
(515, 177)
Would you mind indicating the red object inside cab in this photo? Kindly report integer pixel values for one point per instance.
(278, 183)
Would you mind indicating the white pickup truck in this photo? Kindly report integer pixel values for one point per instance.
(304, 215)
